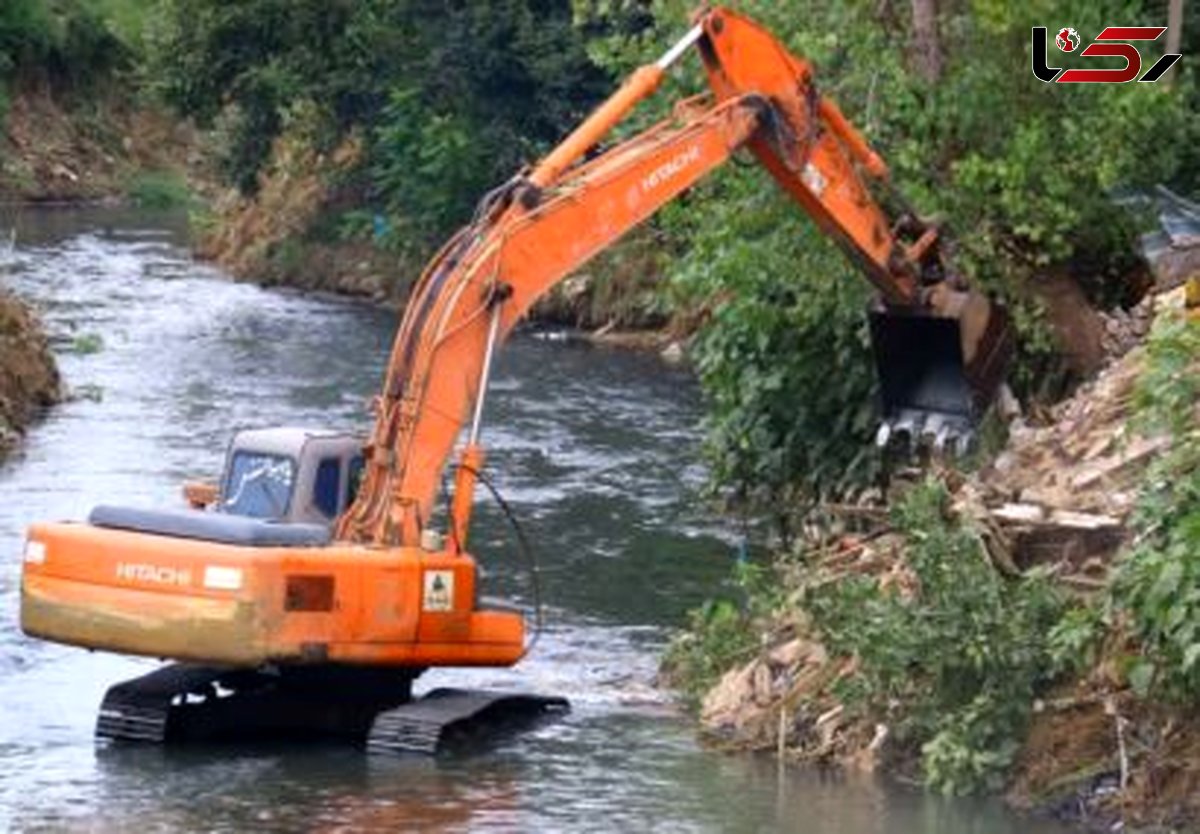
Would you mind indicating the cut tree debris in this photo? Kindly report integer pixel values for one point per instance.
(1059, 495)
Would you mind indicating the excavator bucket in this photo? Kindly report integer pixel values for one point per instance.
(939, 372)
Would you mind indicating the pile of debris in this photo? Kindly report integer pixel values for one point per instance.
(1059, 495)
(1125, 329)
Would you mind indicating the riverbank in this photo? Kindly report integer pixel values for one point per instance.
(60, 147)
(1006, 632)
(29, 381)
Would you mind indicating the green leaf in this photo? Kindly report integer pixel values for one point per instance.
(1141, 677)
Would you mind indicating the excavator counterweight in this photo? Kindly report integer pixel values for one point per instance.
(306, 590)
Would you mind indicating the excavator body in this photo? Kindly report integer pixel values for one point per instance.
(307, 589)
(255, 577)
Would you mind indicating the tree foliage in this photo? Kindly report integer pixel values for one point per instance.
(1158, 582)
(451, 96)
(67, 42)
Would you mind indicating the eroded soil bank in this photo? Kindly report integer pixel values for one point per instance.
(29, 381)
(67, 148)
(57, 148)
(1061, 498)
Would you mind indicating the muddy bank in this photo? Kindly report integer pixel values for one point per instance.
(58, 147)
(29, 381)
(1059, 500)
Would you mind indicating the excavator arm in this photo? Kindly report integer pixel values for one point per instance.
(545, 223)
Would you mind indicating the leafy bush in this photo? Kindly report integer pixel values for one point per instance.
(159, 190)
(68, 41)
(26, 33)
(1158, 583)
(86, 344)
(451, 98)
(785, 359)
(953, 669)
(716, 638)
(430, 166)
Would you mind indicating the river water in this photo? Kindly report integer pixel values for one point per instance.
(596, 450)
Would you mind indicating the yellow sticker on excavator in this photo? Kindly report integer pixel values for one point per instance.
(439, 591)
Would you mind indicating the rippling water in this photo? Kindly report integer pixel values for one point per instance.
(596, 450)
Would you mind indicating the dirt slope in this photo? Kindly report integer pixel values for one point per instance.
(57, 151)
(29, 381)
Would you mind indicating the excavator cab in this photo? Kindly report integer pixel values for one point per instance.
(279, 485)
(289, 474)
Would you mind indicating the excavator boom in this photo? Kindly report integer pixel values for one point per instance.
(941, 348)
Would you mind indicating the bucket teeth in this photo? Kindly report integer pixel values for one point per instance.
(883, 435)
(940, 439)
(945, 435)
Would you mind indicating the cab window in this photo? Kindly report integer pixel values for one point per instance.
(327, 486)
(259, 485)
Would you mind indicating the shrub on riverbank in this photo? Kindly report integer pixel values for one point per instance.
(1021, 204)
(722, 633)
(67, 42)
(159, 190)
(448, 100)
(76, 126)
(952, 658)
(1158, 582)
(932, 639)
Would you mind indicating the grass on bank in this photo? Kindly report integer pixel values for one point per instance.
(159, 190)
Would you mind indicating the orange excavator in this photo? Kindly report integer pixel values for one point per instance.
(307, 590)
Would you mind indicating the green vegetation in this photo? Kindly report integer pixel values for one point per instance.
(1158, 584)
(951, 661)
(954, 666)
(783, 431)
(449, 98)
(86, 344)
(722, 633)
(953, 657)
(159, 190)
(69, 52)
(1022, 173)
(68, 42)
